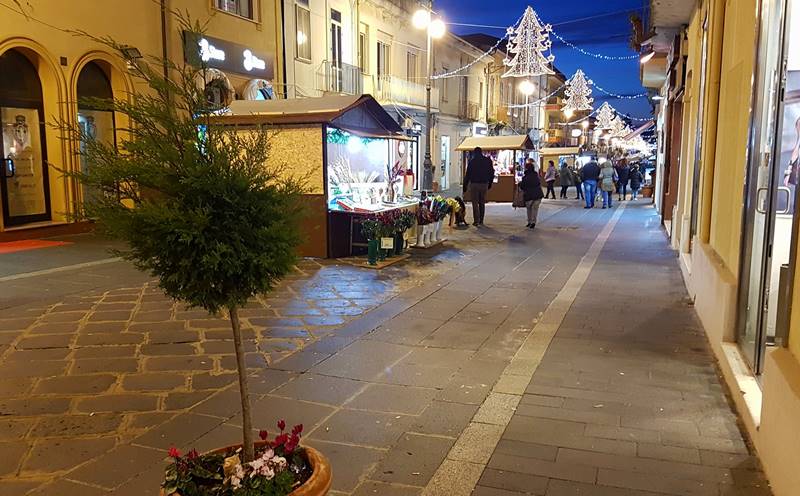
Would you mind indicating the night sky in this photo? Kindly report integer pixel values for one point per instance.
(607, 32)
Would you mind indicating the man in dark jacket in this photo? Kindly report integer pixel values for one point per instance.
(624, 173)
(590, 175)
(478, 180)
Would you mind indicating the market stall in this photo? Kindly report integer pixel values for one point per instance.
(508, 153)
(559, 155)
(351, 153)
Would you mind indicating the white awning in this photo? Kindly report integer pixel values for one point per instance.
(492, 143)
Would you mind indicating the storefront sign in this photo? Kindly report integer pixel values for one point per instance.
(387, 243)
(226, 56)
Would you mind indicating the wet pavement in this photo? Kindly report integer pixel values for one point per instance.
(482, 361)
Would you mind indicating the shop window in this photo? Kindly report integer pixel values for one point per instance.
(24, 181)
(95, 123)
(241, 8)
(302, 19)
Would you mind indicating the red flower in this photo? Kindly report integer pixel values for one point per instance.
(193, 455)
(297, 429)
(281, 440)
(174, 452)
(263, 435)
(281, 425)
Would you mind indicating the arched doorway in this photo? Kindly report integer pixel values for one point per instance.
(96, 122)
(23, 182)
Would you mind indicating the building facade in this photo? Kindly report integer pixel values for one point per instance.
(727, 79)
(45, 71)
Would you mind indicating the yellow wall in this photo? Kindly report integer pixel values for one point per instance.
(732, 132)
(59, 56)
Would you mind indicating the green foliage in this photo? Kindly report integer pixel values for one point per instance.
(196, 203)
(371, 229)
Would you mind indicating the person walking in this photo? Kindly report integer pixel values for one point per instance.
(608, 179)
(565, 179)
(636, 179)
(590, 174)
(478, 181)
(531, 186)
(623, 172)
(576, 179)
(550, 179)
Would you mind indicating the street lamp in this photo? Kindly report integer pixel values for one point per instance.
(435, 28)
(527, 88)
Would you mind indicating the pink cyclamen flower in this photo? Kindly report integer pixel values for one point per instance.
(174, 452)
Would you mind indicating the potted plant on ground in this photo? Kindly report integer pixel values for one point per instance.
(200, 209)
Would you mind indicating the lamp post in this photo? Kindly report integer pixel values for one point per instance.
(435, 28)
(527, 88)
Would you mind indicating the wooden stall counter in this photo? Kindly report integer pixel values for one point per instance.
(501, 192)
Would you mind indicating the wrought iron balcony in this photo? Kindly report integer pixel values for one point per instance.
(394, 90)
(339, 78)
(469, 110)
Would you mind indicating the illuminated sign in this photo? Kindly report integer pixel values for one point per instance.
(226, 56)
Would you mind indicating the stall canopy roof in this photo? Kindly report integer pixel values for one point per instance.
(361, 115)
(490, 143)
(644, 127)
(559, 150)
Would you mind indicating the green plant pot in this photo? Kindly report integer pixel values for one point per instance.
(399, 243)
(372, 251)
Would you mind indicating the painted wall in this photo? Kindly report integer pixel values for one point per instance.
(732, 132)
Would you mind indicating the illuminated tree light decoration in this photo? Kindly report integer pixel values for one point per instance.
(605, 116)
(578, 94)
(526, 46)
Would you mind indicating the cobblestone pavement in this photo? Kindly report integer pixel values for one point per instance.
(83, 373)
(413, 380)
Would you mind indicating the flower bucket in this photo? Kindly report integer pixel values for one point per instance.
(372, 251)
(317, 485)
(421, 236)
(399, 243)
(428, 235)
(439, 226)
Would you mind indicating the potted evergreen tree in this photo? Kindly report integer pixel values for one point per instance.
(200, 209)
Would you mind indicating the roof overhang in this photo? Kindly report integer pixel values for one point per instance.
(493, 143)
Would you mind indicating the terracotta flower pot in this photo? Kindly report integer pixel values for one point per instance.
(317, 485)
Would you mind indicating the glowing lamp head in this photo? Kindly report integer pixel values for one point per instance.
(421, 19)
(585, 124)
(526, 88)
(569, 112)
(437, 28)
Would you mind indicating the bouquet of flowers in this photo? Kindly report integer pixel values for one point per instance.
(439, 208)
(279, 467)
(455, 207)
(404, 221)
(371, 229)
(424, 214)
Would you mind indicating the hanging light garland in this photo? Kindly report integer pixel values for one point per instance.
(591, 54)
(540, 100)
(617, 95)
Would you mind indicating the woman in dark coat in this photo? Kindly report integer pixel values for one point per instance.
(636, 178)
(531, 186)
(623, 172)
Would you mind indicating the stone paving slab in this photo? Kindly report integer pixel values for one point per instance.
(102, 368)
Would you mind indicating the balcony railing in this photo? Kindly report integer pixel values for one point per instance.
(469, 110)
(394, 90)
(339, 78)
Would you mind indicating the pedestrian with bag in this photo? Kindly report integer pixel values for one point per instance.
(531, 186)
(636, 179)
(608, 180)
(623, 172)
(590, 174)
(550, 179)
(576, 179)
(565, 179)
(478, 181)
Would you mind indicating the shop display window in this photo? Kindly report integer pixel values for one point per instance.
(365, 174)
